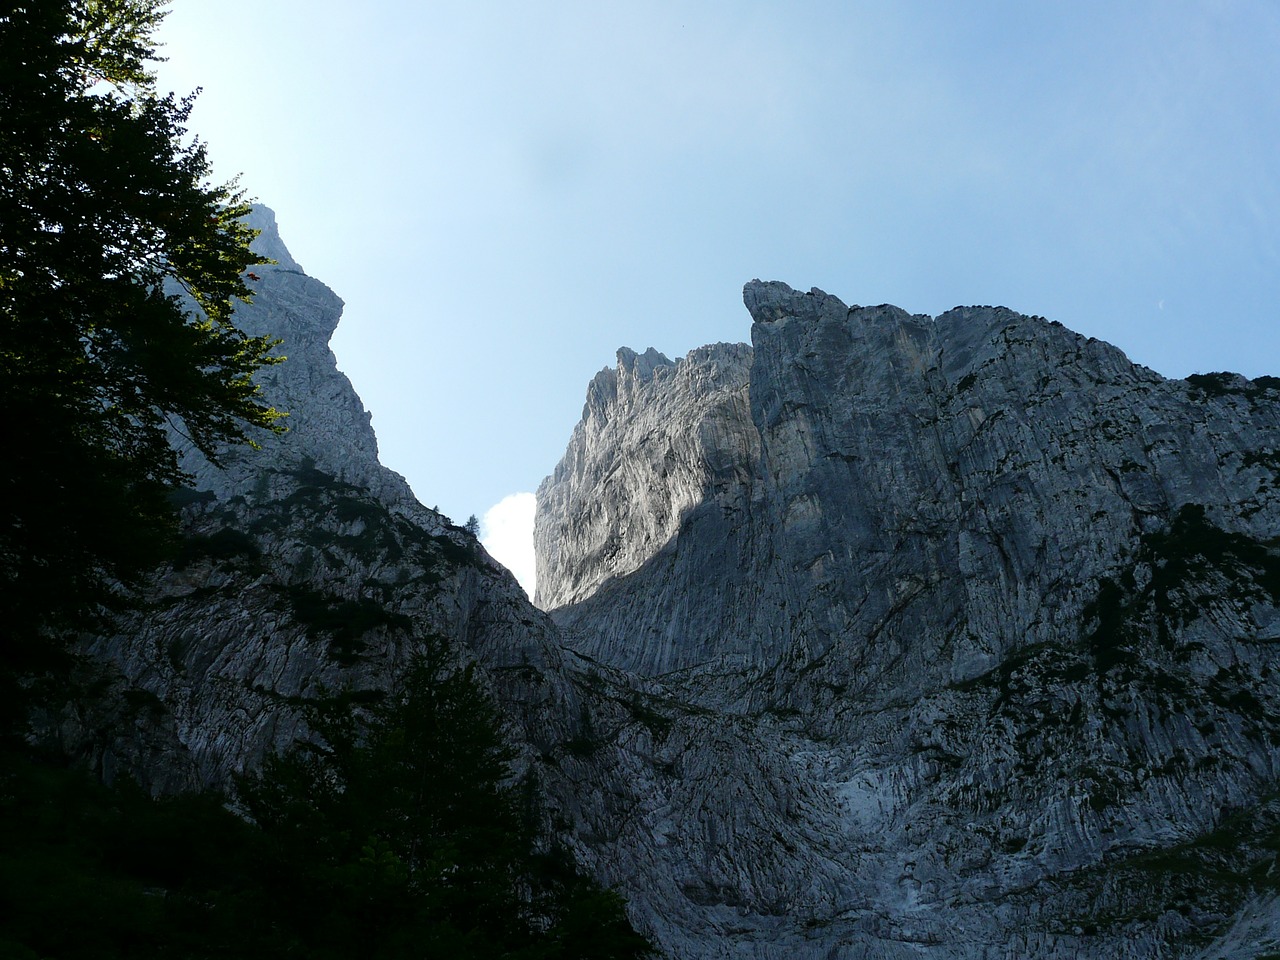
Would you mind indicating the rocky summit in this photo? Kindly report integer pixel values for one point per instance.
(885, 636)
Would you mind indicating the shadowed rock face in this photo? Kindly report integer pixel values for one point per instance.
(884, 637)
(307, 565)
(327, 423)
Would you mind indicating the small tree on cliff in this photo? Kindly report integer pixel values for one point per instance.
(106, 209)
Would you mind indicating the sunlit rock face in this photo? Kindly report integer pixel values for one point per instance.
(657, 441)
(996, 607)
(961, 483)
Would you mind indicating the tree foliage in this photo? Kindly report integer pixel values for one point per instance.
(109, 229)
(392, 835)
(404, 808)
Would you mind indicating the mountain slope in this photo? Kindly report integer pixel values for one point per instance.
(308, 568)
(882, 637)
(1001, 605)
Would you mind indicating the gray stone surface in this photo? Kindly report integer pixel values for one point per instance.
(894, 589)
(984, 468)
(326, 424)
(883, 637)
(309, 521)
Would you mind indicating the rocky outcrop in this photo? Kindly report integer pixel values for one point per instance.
(306, 565)
(997, 606)
(655, 437)
(326, 424)
(985, 469)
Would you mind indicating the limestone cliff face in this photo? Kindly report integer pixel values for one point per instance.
(327, 424)
(995, 606)
(655, 437)
(307, 564)
(967, 480)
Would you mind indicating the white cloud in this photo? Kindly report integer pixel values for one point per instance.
(506, 530)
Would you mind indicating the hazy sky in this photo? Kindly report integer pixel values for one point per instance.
(504, 193)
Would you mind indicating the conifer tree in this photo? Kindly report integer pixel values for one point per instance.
(398, 834)
(109, 228)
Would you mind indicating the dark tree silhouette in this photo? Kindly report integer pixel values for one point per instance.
(109, 229)
(403, 808)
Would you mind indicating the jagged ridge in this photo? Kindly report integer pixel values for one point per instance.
(939, 577)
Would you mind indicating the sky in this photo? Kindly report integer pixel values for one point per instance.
(505, 193)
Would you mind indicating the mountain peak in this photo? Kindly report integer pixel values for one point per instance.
(268, 242)
(771, 300)
(642, 365)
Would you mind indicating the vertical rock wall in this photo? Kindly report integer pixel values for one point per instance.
(995, 607)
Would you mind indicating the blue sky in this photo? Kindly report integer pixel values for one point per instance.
(504, 193)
